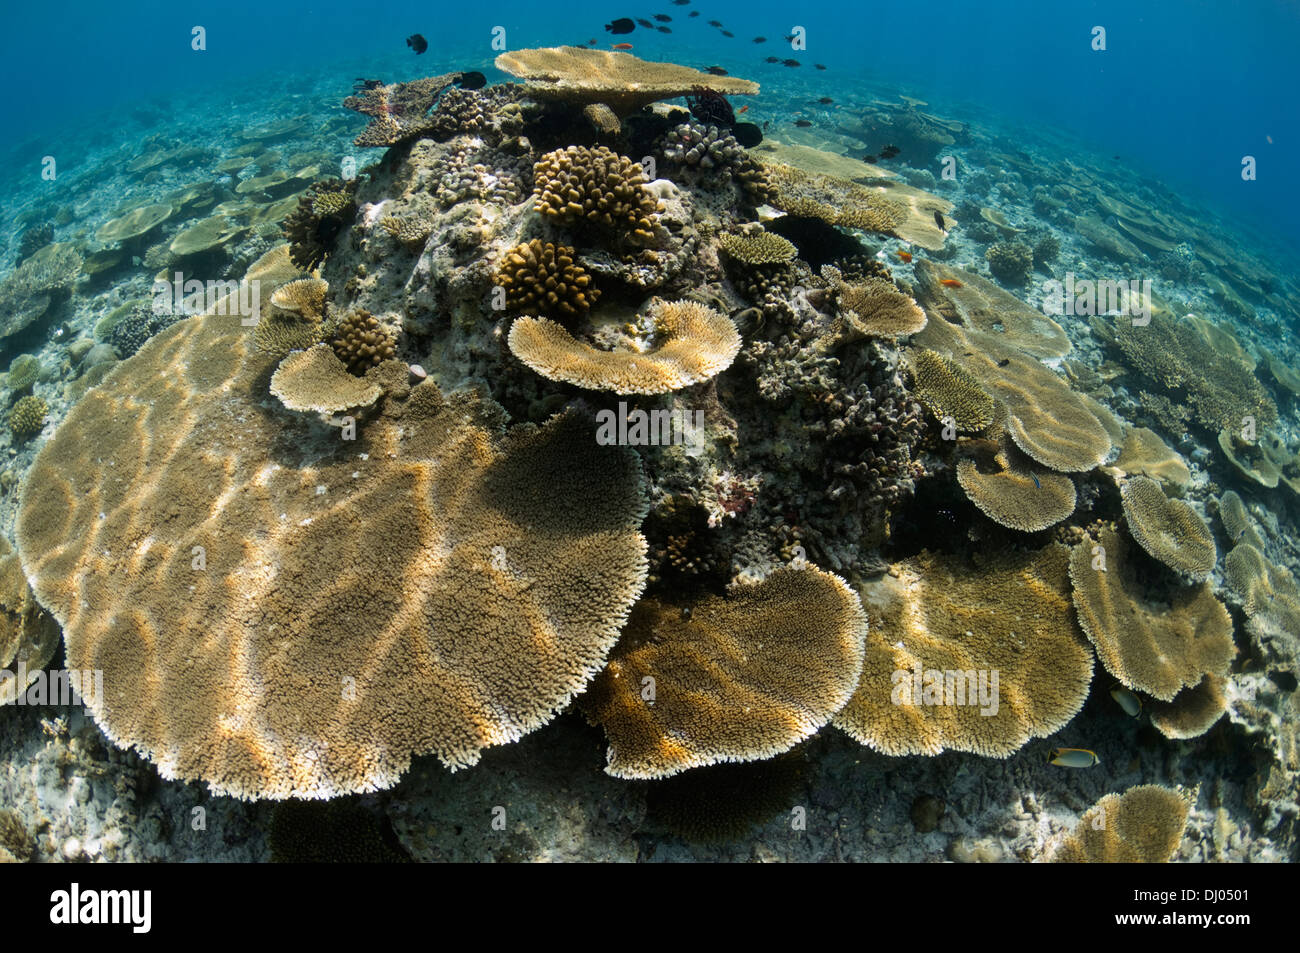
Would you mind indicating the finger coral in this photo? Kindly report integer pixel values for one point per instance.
(1170, 530)
(361, 342)
(621, 81)
(977, 658)
(1152, 643)
(1144, 825)
(740, 678)
(283, 622)
(542, 278)
(596, 187)
(694, 343)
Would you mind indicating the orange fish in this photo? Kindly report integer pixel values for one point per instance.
(950, 283)
(621, 46)
(743, 109)
(905, 255)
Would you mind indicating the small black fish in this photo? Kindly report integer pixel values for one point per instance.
(747, 134)
(645, 23)
(363, 84)
(663, 18)
(680, 3)
(1004, 362)
(621, 25)
(715, 70)
(727, 33)
(760, 39)
(889, 152)
(591, 42)
(694, 13)
(802, 123)
(938, 220)
(790, 62)
(772, 59)
(818, 66)
(825, 100)
(472, 80)
(790, 38)
(715, 23)
(664, 29)
(417, 43)
(870, 159)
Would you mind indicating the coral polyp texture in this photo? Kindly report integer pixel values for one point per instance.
(937, 624)
(361, 342)
(280, 613)
(693, 343)
(739, 678)
(1017, 494)
(544, 279)
(1144, 825)
(1153, 643)
(304, 298)
(316, 380)
(876, 308)
(758, 248)
(1170, 530)
(624, 83)
(596, 187)
(27, 418)
(949, 391)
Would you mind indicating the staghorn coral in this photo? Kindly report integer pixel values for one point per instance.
(596, 187)
(949, 391)
(331, 602)
(693, 343)
(1151, 643)
(1144, 825)
(323, 212)
(740, 678)
(942, 621)
(361, 342)
(315, 380)
(29, 636)
(757, 248)
(27, 418)
(399, 112)
(575, 74)
(1010, 262)
(542, 278)
(977, 303)
(1144, 452)
(1170, 530)
(1018, 495)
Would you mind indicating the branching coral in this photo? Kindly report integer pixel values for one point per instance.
(1170, 530)
(361, 342)
(545, 279)
(398, 112)
(316, 380)
(949, 391)
(28, 417)
(322, 213)
(596, 187)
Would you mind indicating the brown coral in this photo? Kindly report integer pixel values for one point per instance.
(1192, 712)
(1142, 826)
(304, 298)
(759, 248)
(834, 200)
(1170, 530)
(694, 343)
(316, 380)
(944, 625)
(949, 391)
(322, 213)
(740, 678)
(280, 616)
(876, 308)
(398, 112)
(1018, 494)
(542, 278)
(1143, 452)
(1151, 645)
(598, 187)
(361, 342)
(29, 636)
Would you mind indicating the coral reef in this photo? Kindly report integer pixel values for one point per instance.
(757, 248)
(133, 329)
(949, 391)
(322, 213)
(581, 186)
(361, 342)
(1018, 494)
(1011, 262)
(26, 294)
(23, 372)
(544, 279)
(1144, 452)
(1170, 530)
(315, 380)
(399, 112)
(29, 636)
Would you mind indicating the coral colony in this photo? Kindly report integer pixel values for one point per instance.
(574, 397)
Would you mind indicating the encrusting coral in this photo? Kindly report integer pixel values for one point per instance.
(739, 678)
(1170, 530)
(545, 279)
(1152, 644)
(693, 343)
(581, 186)
(942, 622)
(1144, 825)
(281, 615)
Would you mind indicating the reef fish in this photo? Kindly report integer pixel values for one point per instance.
(889, 152)
(825, 100)
(950, 283)
(715, 23)
(621, 25)
(715, 70)
(904, 256)
(727, 33)
(818, 66)
(472, 80)
(1074, 758)
(663, 18)
(747, 134)
(938, 220)
(790, 62)
(802, 123)
(694, 13)
(645, 23)
(621, 46)
(772, 59)
(741, 110)
(417, 43)
(760, 39)
(664, 29)
(680, 3)
(1131, 704)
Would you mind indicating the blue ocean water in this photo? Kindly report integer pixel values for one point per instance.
(1183, 91)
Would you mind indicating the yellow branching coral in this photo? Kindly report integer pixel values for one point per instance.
(1142, 826)
(975, 302)
(543, 278)
(760, 248)
(316, 380)
(694, 344)
(1018, 494)
(1150, 645)
(1170, 530)
(621, 81)
(941, 632)
(740, 678)
(875, 308)
(284, 617)
(949, 391)
(1143, 452)
(29, 636)
(361, 342)
(304, 297)
(1044, 417)
(595, 186)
